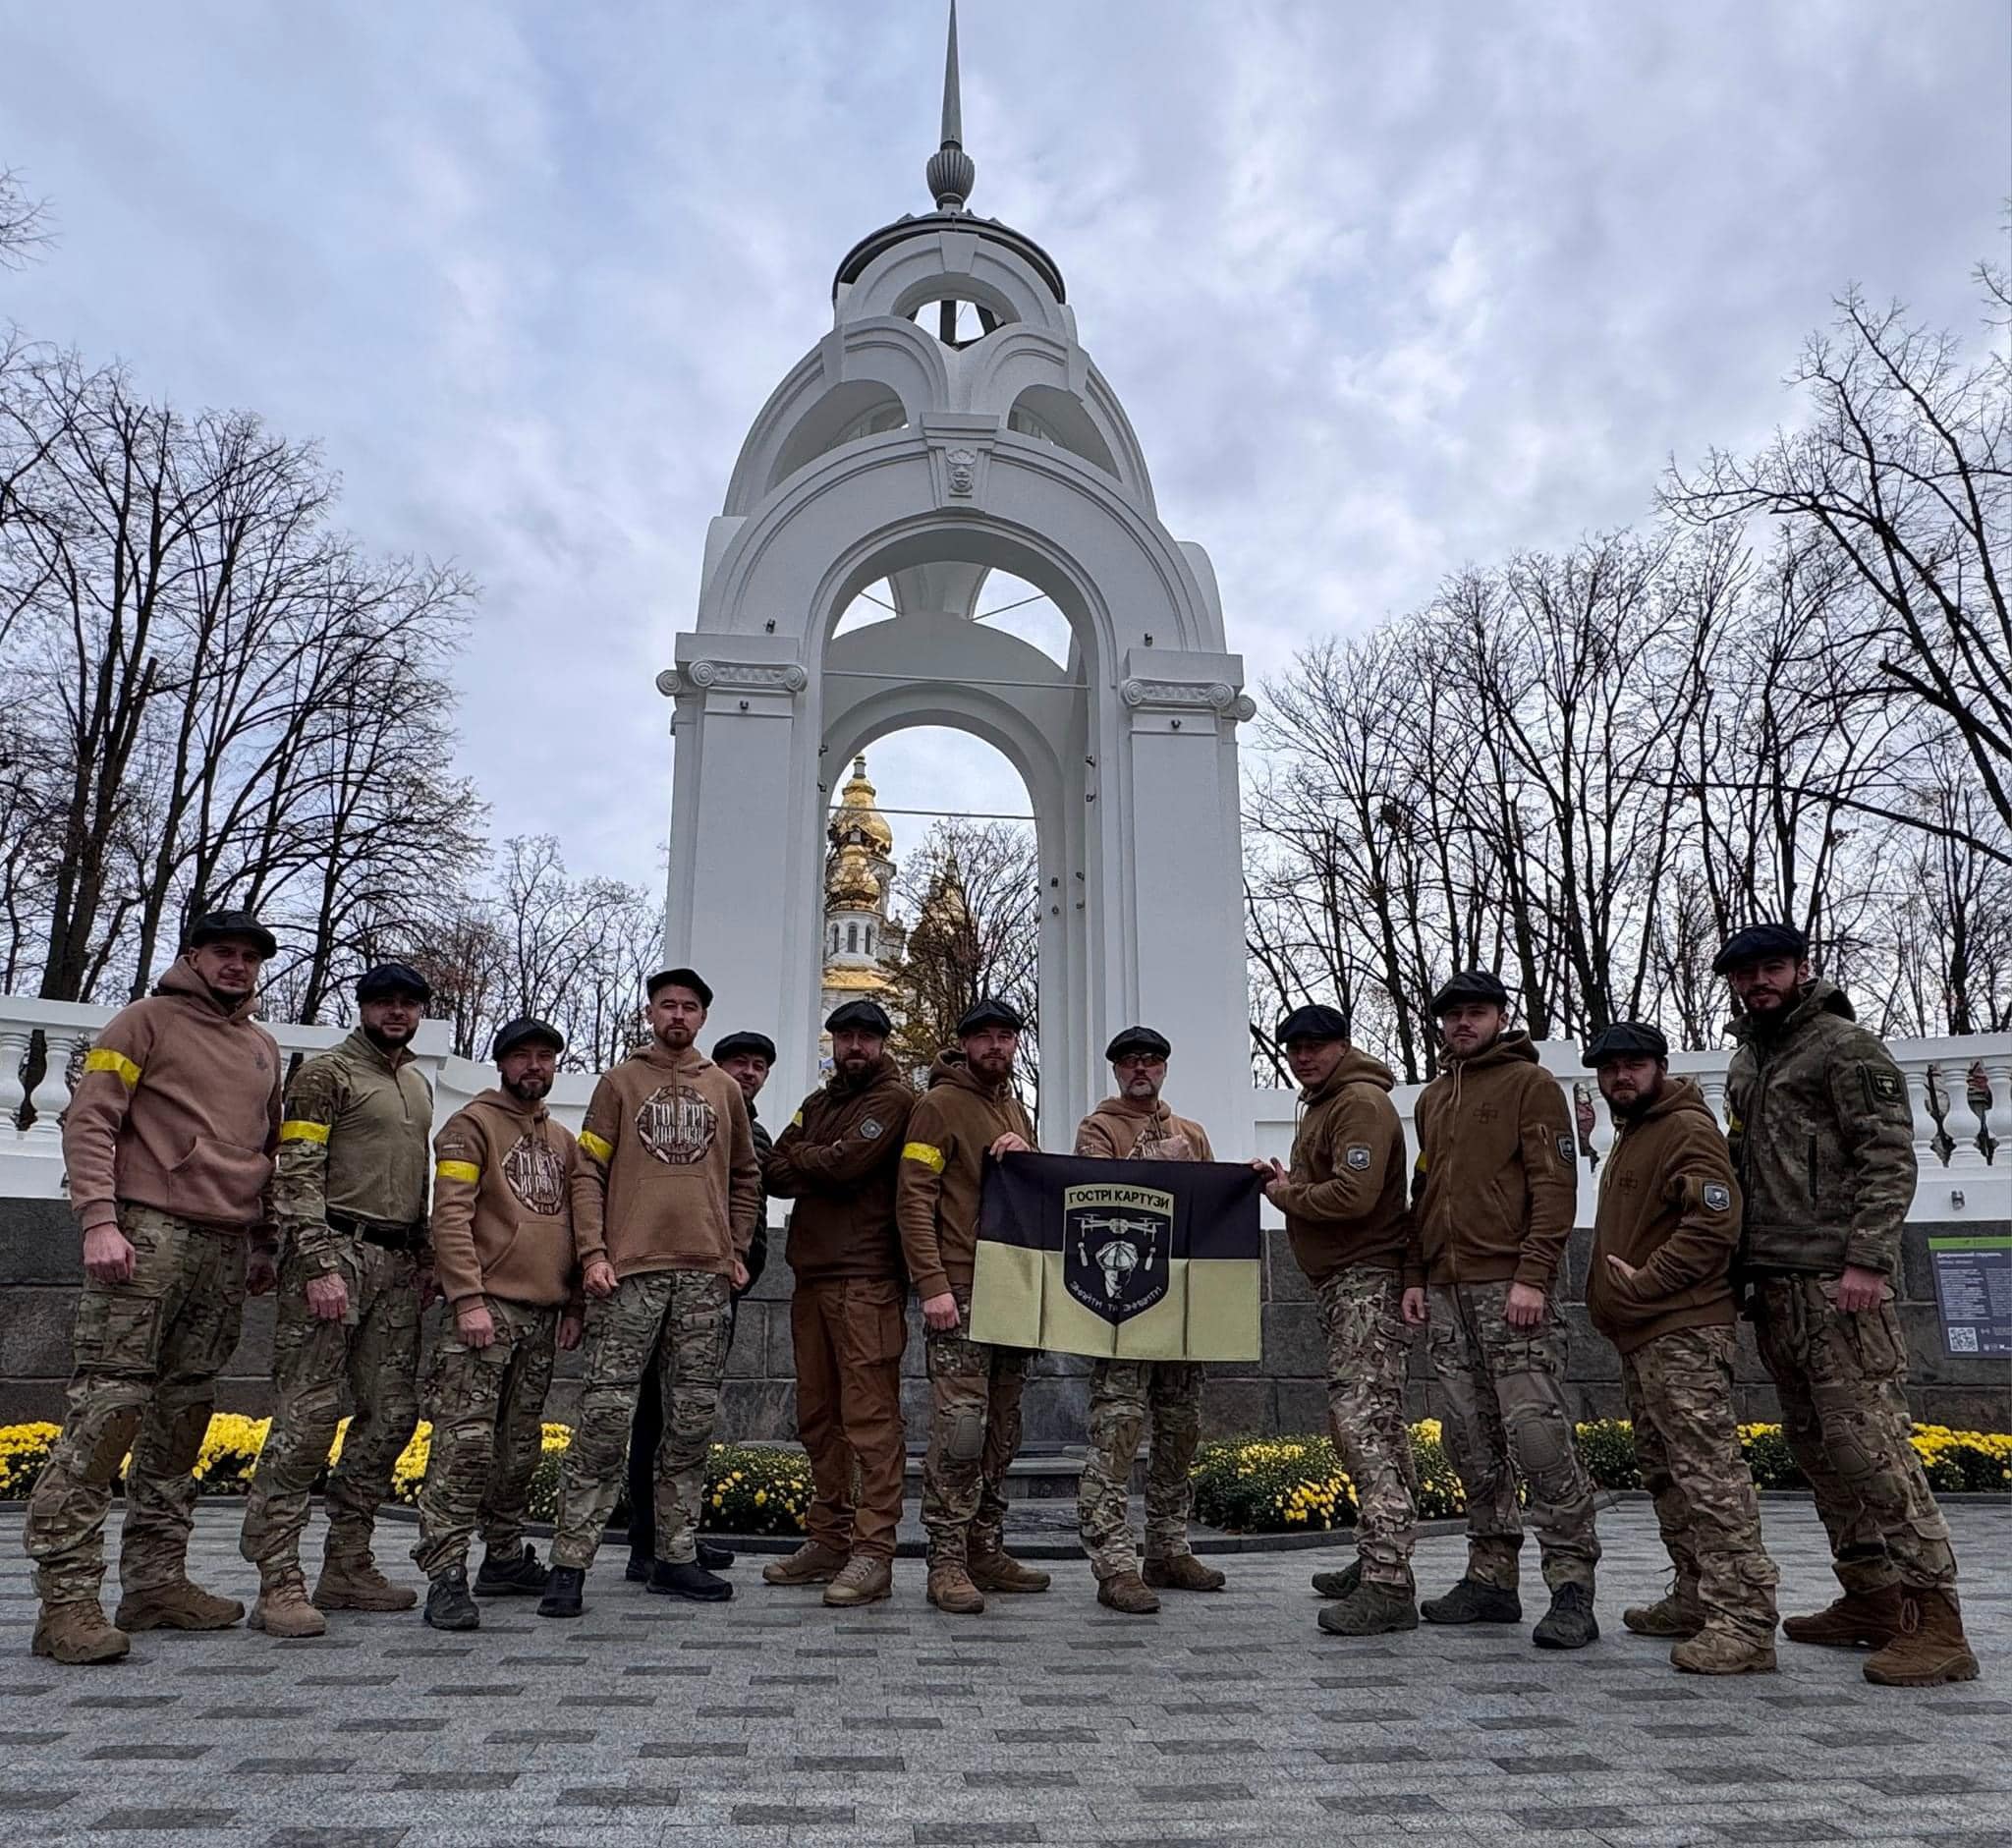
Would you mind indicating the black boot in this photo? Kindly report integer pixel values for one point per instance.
(1340, 1584)
(639, 1568)
(1569, 1623)
(688, 1579)
(522, 1575)
(715, 1558)
(562, 1593)
(1472, 1601)
(448, 1604)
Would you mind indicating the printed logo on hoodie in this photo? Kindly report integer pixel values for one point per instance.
(537, 1176)
(676, 1124)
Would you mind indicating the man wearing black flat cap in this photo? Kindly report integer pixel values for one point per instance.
(836, 1160)
(747, 1058)
(967, 1112)
(1823, 1138)
(1494, 1193)
(1127, 1397)
(356, 1270)
(1661, 1290)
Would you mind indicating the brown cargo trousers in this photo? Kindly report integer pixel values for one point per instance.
(849, 1333)
(975, 1393)
(146, 1354)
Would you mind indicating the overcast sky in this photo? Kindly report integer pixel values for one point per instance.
(1385, 288)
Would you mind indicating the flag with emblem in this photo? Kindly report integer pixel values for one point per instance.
(1135, 1260)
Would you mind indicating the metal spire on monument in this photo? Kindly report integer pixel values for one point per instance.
(951, 172)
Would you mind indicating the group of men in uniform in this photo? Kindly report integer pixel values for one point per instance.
(199, 1177)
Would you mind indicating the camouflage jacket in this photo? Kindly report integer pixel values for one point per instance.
(1822, 1139)
(352, 1142)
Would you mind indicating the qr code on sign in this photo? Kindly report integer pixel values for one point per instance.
(1961, 1340)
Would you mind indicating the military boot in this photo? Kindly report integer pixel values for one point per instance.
(521, 1575)
(283, 1608)
(176, 1605)
(448, 1604)
(1716, 1650)
(1371, 1610)
(999, 1571)
(866, 1579)
(562, 1598)
(1340, 1584)
(1127, 1591)
(951, 1590)
(352, 1582)
(1674, 1615)
(1472, 1601)
(688, 1579)
(713, 1558)
(77, 1633)
(1182, 1572)
(1569, 1623)
(1931, 1647)
(813, 1563)
(1857, 1620)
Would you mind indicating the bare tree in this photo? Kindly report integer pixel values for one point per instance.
(24, 222)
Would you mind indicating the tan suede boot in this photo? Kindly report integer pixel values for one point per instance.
(813, 1563)
(352, 1582)
(283, 1608)
(1931, 1647)
(78, 1634)
(180, 1605)
(1183, 1572)
(1000, 1572)
(1857, 1620)
(1129, 1592)
(1720, 1652)
(1675, 1616)
(863, 1580)
(951, 1590)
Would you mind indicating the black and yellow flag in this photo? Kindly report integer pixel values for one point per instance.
(1134, 1261)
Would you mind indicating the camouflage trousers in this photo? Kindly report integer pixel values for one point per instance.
(690, 1311)
(1504, 1416)
(1368, 1351)
(1679, 1389)
(487, 1408)
(975, 1393)
(374, 1352)
(1841, 1380)
(146, 1354)
(1123, 1396)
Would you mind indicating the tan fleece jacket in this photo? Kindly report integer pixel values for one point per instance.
(177, 1108)
(1344, 1203)
(502, 1204)
(1669, 1206)
(1118, 1128)
(666, 1177)
(943, 1167)
(1496, 1185)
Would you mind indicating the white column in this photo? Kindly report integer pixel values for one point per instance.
(52, 1095)
(14, 1043)
(1998, 1116)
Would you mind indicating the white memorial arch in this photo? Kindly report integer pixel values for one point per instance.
(950, 425)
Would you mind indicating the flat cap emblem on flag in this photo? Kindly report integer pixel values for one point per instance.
(1357, 1156)
(1116, 1245)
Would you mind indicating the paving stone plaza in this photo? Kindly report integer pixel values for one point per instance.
(773, 1720)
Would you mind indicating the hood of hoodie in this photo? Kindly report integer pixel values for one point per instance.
(1677, 1096)
(1506, 1050)
(658, 1054)
(1157, 1111)
(1357, 1067)
(1820, 997)
(182, 982)
(952, 1068)
(882, 1069)
(497, 1098)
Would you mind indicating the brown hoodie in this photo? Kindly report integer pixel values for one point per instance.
(178, 1109)
(666, 1177)
(1668, 1206)
(1344, 1203)
(942, 1168)
(502, 1212)
(1496, 1185)
(837, 1160)
(1118, 1128)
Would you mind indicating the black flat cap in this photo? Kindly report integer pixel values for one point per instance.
(683, 979)
(214, 925)
(1761, 940)
(391, 979)
(1626, 1040)
(1470, 984)
(735, 1043)
(991, 1011)
(1138, 1040)
(524, 1031)
(868, 1016)
(1310, 1022)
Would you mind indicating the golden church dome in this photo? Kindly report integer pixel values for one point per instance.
(851, 882)
(855, 811)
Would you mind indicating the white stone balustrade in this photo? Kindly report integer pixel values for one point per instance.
(1958, 1182)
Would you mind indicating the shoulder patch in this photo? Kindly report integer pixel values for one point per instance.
(1357, 1156)
(871, 1128)
(1883, 1088)
(1567, 1152)
(1718, 1196)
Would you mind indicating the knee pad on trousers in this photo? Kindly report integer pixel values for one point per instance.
(114, 1441)
(186, 1435)
(966, 1440)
